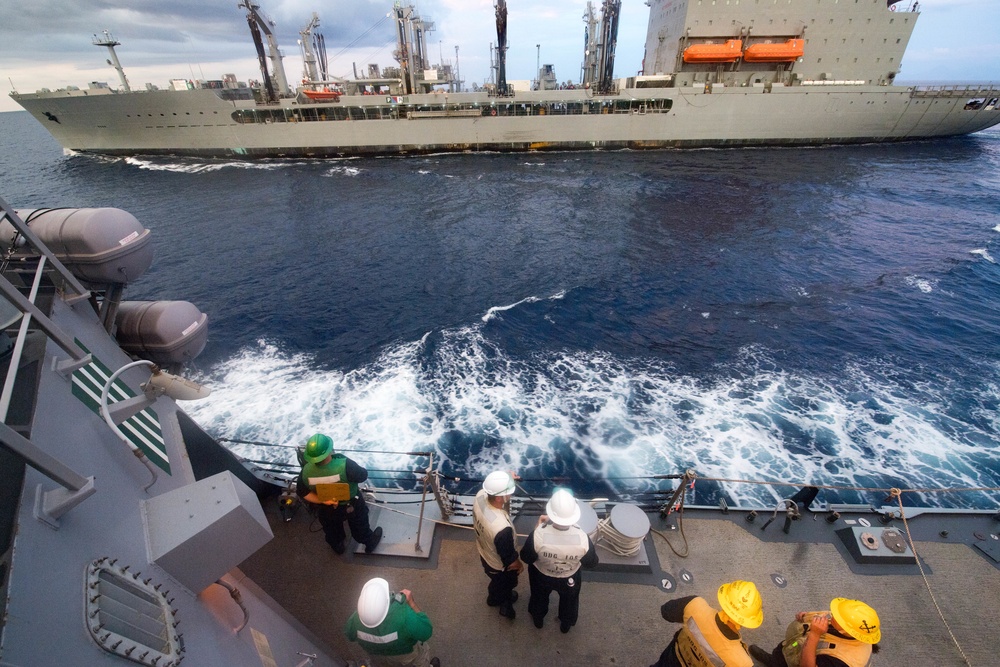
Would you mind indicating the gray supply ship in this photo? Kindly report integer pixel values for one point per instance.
(795, 72)
(128, 535)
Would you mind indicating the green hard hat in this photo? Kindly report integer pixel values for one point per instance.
(318, 448)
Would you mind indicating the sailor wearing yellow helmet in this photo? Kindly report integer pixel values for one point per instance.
(711, 638)
(845, 636)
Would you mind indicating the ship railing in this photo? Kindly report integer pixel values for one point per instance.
(956, 90)
(14, 307)
(651, 491)
(669, 495)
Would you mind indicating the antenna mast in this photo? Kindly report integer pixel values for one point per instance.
(111, 43)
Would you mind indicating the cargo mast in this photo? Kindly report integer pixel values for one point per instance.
(257, 23)
(501, 11)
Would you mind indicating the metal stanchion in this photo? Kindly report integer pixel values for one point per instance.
(423, 501)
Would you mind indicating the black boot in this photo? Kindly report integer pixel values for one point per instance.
(373, 540)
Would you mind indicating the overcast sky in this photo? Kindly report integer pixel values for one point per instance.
(48, 43)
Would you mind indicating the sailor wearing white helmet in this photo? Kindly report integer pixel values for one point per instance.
(495, 540)
(555, 551)
(390, 627)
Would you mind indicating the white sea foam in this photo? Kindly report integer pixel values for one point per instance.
(343, 171)
(190, 167)
(615, 418)
(982, 252)
(997, 228)
(923, 284)
(496, 310)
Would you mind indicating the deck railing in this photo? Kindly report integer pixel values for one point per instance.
(76, 488)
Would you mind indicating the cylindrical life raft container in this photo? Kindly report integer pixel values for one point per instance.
(164, 332)
(98, 245)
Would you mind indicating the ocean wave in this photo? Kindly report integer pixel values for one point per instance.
(982, 252)
(496, 310)
(923, 284)
(343, 171)
(605, 422)
(186, 166)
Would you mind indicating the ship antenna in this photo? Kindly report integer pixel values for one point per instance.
(111, 43)
(13, 88)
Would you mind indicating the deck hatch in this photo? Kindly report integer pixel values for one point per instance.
(142, 430)
(128, 617)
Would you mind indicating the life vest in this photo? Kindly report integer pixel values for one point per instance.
(489, 522)
(560, 551)
(334, 472)
(851, 652)
(700, 643)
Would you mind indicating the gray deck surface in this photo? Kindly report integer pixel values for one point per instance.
(620, 623)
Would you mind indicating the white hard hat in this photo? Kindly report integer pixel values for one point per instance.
(498, 484)
(562, 508)
(373, 605)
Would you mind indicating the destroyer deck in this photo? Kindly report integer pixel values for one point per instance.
(620, 623)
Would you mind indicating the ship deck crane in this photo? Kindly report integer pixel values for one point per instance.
(257, 24)
(501, 12)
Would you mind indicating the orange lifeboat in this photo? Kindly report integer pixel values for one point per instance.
(729, 52)
(786, 52)
(322, 95)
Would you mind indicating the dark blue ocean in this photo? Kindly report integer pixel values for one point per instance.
(826, 315)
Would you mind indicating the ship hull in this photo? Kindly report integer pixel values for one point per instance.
(200, 123)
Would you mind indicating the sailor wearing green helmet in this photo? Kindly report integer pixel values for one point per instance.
(330, 482)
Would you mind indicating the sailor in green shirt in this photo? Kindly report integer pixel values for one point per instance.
(391, 627)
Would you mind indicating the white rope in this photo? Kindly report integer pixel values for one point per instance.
(618, 544)
(897, 494)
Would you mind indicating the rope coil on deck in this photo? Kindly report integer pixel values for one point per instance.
(615, 542)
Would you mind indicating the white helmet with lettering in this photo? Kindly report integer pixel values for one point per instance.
(498, 484)
(562, 508)
(373, 605)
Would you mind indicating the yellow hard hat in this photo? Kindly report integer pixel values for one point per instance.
(741, 602)
(857, 619)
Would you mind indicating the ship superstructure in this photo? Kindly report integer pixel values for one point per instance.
(119, 536)
(798, 72)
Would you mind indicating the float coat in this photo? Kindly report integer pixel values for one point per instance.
(489, 522)
(560, 551)
(334, 472)
(700, 643)
(851, 652)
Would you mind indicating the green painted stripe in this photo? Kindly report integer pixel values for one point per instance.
(139, 423)
(142, 430)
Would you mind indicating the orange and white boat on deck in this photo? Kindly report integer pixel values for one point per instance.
(728, 52)
(325, 95)
(784, 52)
